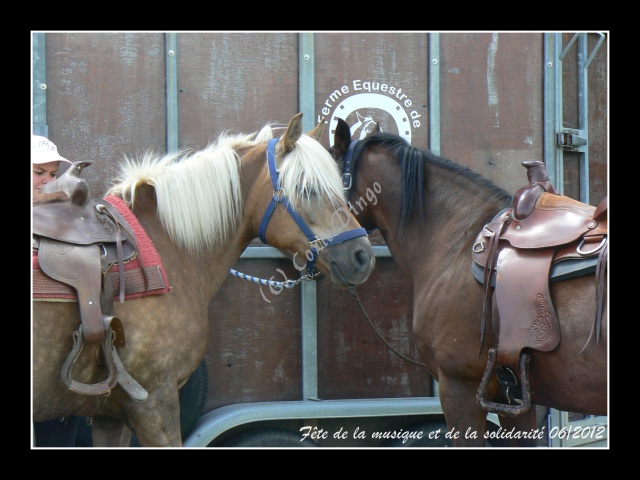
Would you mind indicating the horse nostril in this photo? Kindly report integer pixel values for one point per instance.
(362, 259)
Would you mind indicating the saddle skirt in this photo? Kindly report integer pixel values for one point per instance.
(46, 288)
(559, 238)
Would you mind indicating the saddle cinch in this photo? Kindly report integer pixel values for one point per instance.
(78, 243)
(544, 237)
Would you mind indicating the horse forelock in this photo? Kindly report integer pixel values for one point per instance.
(198, 194)
(310, 169)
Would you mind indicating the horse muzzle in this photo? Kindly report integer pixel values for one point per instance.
(349, 263)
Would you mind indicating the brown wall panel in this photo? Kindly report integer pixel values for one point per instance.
(352, 360)
(105, 98)
(254, 340)
(236, 81)
(491, 103)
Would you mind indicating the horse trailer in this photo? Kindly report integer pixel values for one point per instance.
(301, 367)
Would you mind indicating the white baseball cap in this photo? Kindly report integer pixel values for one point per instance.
(44, 150)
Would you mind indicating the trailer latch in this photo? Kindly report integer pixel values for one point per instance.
(570, 140)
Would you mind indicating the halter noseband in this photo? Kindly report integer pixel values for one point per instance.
(279, 196)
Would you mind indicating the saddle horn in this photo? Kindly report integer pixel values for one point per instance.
(76, 188)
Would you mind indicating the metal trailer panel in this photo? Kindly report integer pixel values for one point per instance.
(237, 81)
(254, 351)
(105, 98)
(491, 103)
(346, 340)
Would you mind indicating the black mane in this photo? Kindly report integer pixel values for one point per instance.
(412, 161)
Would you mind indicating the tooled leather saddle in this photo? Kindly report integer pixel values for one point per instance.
(78, 242)
(543, 237)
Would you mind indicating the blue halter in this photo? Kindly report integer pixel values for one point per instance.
(347, 175)
(279, 196)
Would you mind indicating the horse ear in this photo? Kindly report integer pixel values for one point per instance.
(341, 139)
(377, 129)
(316, 132)
(293, 133)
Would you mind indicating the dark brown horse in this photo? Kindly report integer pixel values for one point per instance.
(200, 213)
(429, 211)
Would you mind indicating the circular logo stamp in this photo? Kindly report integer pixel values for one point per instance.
(362, 104)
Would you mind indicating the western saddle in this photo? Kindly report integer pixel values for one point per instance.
(78, 242)
(543, 237)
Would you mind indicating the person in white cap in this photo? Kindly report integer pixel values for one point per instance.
(45, 161)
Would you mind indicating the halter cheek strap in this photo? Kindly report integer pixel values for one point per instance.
(279, 196)
(347, 175)
(347, 171)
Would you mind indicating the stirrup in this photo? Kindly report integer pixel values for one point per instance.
(500, 408)
(99, 388)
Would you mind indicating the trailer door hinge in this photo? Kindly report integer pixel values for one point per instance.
(570, 140)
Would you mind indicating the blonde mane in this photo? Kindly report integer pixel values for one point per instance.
(198, 194)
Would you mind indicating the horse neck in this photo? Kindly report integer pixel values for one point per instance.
(201, 273)
(455, 209)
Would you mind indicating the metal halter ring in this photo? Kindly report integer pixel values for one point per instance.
(347, 185)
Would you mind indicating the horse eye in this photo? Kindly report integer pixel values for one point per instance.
(308, 193)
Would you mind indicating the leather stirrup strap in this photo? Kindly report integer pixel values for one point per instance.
(492, 231)
(601, 210)
(119, 222)
(129, 384)
(600, 288)
(136, 391)
(106, 293)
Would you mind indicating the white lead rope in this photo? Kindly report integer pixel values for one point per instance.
(273, 283)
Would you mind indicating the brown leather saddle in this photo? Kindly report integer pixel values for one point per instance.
(78, 242)
(544, 237)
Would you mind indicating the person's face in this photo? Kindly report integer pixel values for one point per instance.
(44, 173)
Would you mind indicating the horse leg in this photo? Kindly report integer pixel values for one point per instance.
(466, 419)
(156, 422)
(110, 432)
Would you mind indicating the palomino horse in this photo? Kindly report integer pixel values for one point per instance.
(200, 213)
(429, 211)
